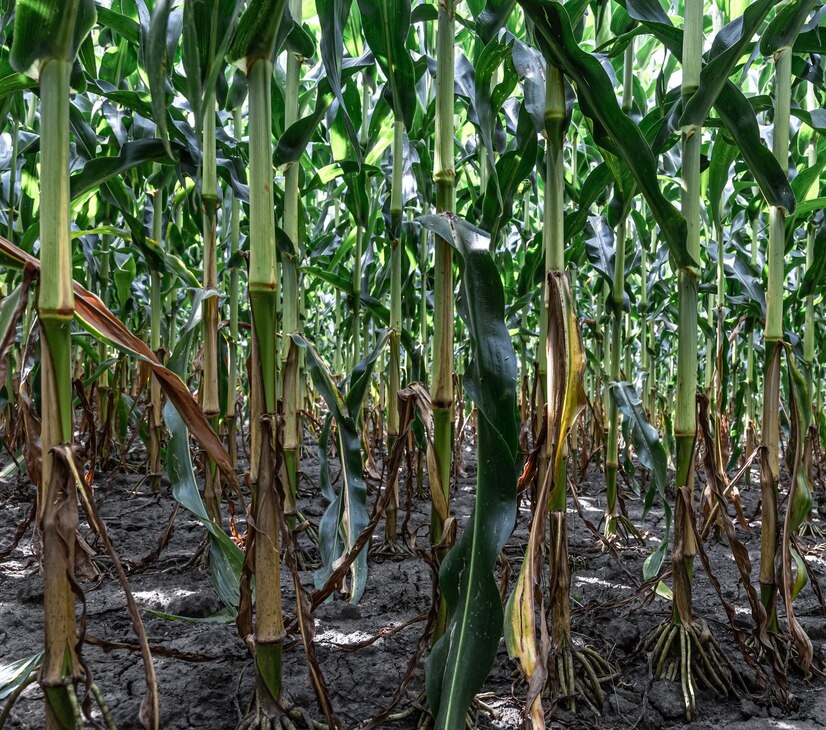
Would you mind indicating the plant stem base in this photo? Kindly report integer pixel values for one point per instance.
(477, 707)
(291, 718)
(690, 654)
(578, 674)
(618, 528)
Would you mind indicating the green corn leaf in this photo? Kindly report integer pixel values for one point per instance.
(490, 16)
(799, 504)
(294, 141)
(599, 102)
(332, 16)
(14, 674)
(386, 26)
(531, 69)
(346, 516)
(738, 116)
(8, 318)
(298, 41)
(138, 152)
(46, 29)
(650, 451)
(728, 47)
(785, 27)
(226, 558)
(490, 60)
(121, 24)
(732, 107)
(257, 32)
(510, 170)
(461, 659)
(207, 32)
(724, 154)
(748, 281)
(601, 248)
(12, 82)
(157, 68)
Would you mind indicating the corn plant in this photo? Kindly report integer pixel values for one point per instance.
(559, 235)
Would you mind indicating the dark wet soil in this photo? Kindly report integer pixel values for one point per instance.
(609, 612)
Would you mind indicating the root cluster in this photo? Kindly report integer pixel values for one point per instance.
(292, 718)
(580, 673)
(691, 655)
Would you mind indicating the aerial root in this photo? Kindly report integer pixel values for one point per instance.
(782, 646)
(293, 718)
(691, 655)
(619, 529)
(104, 708)
(811, 530)
(478, 707)
(393, 549)
(580, 673)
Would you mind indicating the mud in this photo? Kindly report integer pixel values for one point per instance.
(609, 612)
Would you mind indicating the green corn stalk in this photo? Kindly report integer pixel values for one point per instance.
(811, 234)
(441, 386)
(386, 29)
(253, 48)
(46, 37)
(773, 337)
(209, 397)
(685, 417)
(750, 390)
(617, 343)
(554, 240)
(156, 314)
(290, 361)
(394, 380)
(234, 295)
(645, 331)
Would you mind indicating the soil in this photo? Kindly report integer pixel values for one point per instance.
(609, 612)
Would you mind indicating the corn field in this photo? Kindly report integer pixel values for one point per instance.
(412, 364)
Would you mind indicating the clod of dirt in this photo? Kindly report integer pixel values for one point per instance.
(749, 709)
(666, 699)
(31, 593)
(624, 634)
(345, 610)
(194, 605)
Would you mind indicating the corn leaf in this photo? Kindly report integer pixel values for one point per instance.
(566, 400)
(732, 107)
(599, 102)
(332, 16)
(346, 516)
(157, 67)
(226, 559)
(799, 505)
(651, 453)
(137, 152)
(46, 29)
(13, 674)
(461, 659)
(490, 16)
(386, 26)
(94, 316)
(729, 45)
(785, 27)
(257, 32)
